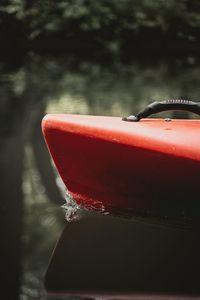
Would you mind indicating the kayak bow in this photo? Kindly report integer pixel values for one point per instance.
(150, 167)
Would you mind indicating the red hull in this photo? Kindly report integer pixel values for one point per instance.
(148, 167)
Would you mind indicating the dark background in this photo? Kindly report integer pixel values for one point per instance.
(112, 25)
(81, 56)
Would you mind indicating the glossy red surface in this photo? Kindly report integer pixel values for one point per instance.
(146, 167)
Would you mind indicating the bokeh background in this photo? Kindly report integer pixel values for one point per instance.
(75, 56)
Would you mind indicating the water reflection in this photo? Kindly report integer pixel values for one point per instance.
(40, 85)
(43, 220)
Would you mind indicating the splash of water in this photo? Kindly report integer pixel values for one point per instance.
(73, 211)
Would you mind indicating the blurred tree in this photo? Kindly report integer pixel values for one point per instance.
(100, 20)
(22, 101)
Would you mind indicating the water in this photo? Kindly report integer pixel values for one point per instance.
(31, 191)
(73, 211)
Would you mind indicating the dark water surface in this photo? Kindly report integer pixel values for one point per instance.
(31, 191)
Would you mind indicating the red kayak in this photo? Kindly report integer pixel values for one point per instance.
(135, 165)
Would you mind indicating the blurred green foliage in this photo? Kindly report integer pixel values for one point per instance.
(105, 19)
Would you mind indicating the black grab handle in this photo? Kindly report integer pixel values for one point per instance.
(160, 106)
